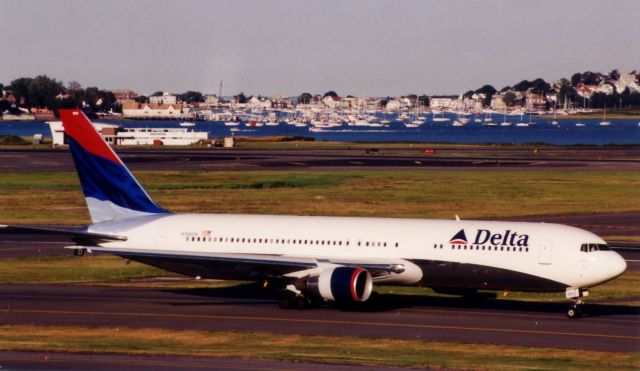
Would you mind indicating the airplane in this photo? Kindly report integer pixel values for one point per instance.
(321, 259)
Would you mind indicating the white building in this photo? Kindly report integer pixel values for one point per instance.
(153, 110)
(57, 131)
(114, 134)
(440, 103)
(165, 98)
(159, 136)
(626, 80)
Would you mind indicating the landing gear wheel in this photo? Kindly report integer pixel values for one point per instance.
(79, 252)
(574, 312)
(286, 303)
(302, 303)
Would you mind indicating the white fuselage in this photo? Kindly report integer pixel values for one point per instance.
(426, 248)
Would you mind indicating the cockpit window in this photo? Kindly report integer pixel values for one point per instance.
(589, 247)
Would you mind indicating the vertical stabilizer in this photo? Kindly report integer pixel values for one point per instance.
(111, 191)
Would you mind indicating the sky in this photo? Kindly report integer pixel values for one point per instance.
(359, 47)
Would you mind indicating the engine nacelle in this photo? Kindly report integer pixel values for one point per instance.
(342, 285)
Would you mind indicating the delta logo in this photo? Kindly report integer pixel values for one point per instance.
(459, 239)
(484, 236)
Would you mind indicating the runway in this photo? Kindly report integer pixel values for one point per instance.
(352, 158)
(252, 309)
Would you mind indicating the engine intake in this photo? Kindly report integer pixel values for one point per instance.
(342, 285)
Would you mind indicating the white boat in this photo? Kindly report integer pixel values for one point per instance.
(504, 120)
(411, 125)
(272, 123)
(522, 125)
(441, 119)
(604, 121)
(459, 123)
(187, 124)
(580, 124)
(231, 123)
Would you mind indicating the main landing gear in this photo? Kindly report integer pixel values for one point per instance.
(298, 302)
(575, 311)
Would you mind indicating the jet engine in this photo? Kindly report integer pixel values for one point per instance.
(342, 284)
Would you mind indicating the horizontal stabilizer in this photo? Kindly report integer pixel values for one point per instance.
(78, 236)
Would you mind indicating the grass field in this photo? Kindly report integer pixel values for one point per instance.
(56, 197)
(349, 350)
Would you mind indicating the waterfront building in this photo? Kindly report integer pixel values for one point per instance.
(165, 98)
(123, 95)
(441, 102)
(114, 134)
(535, 102)
(497, 103)
(156, 111)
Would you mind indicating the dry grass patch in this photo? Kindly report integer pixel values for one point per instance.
(413, 353)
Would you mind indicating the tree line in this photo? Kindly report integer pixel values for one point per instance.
(45, 92)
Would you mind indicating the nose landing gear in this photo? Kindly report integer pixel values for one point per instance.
(575, 311)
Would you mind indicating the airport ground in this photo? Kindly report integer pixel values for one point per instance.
(592, 188)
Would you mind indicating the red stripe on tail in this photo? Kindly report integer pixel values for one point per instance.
(77, 126)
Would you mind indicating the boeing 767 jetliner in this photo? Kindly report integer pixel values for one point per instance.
(325, 258)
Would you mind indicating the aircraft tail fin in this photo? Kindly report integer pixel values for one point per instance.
(110, 190)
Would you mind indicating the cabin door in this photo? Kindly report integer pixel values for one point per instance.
(544, 252)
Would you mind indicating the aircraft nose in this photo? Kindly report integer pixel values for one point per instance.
(617, 265)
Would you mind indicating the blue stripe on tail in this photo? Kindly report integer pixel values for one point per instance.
(105, 180)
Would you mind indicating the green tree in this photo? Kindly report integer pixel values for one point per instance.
(191, 96)
(20, 88)
(509, 98)
(330, 93)
(74, 85)
(576, 79)
(566, 93)
(614, 75)
(523, 85)
(305, 98)
(539, 86)
(157, 94)
(488, 91)
(241, 98)
(424, 100)
(141, 99)
(91, 96)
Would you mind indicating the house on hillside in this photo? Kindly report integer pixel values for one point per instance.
(497, 103)
(441, 102)
(535, 102)
(123, 95)
(136, 110)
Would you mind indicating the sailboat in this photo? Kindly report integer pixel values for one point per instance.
(604, 121)
(504, 120)
(521, 123)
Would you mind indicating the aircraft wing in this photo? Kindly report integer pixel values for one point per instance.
(76, 235)
(262, 265)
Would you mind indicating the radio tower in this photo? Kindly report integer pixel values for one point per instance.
(220, 91)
